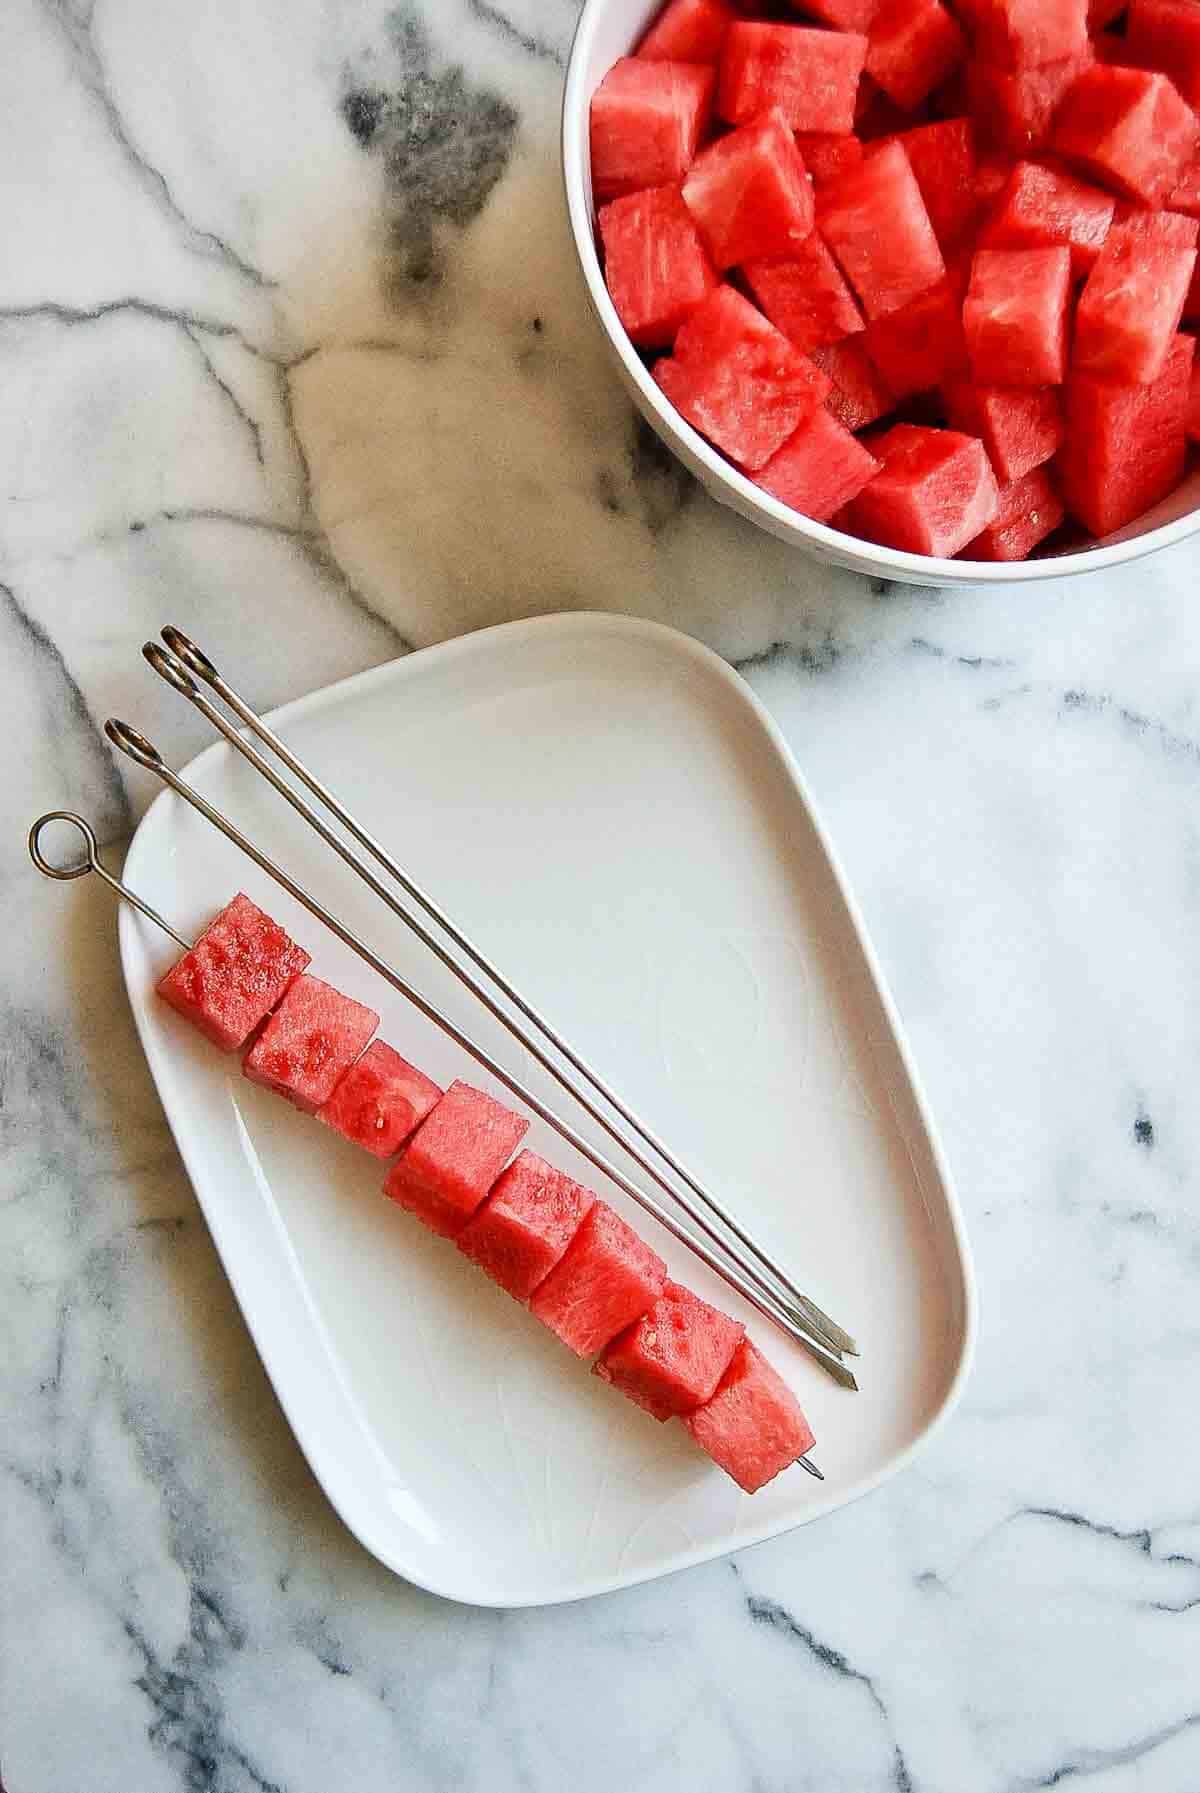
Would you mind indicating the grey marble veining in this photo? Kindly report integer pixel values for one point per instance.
(292, 353)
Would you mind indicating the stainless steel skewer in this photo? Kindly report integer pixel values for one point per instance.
(184, 650)
(178, 677)
(93, 863)
(136, 747)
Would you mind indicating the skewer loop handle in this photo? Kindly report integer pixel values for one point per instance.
(64, 873)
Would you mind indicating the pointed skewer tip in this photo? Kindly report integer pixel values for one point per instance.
(811, 1468)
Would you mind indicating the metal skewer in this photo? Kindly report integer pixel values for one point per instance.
(187, 657)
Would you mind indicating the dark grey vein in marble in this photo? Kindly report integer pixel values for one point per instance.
(530, 42)
(1097, 1761)
(248, 423)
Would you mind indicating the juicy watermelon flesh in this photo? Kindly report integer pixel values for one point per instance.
(647, 119)
(912, 47)
(688, 31)
(239, 969)
(1014, 110)
(1129, 129)
(606, 1279)
(875, 221)
(805, 297)
(1021, 428)
(828, 154)
(1028, 512)
(753, 1426)
(942, 156)
(858, 395)
(454, 1157)
(526, 1224)
(1185, 195)
(1045, 208)
(1125, 445)
(1015, 316)
(1175, 230)
(380, 1100)
(843, 15)
(654, 264)
(749, 194)
(819, 469)
(672, 1358)
(934, 493)
(921, 345)
(1021, 34)
(992, 170)
(1193, 412)
(309, 1043)
(811, 76)
(1165, 35)
(1130, 308)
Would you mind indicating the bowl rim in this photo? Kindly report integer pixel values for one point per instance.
(781, 520)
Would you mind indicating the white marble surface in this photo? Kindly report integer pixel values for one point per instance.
(324, 395)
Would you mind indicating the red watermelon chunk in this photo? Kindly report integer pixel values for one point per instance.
(912, 47)
(819, 469)
(1130, 308)
(843, 15)
(647, 120)
(753, 1426)
(805, 296)
(875, 221)
(380, 1100)
(921, 345)
(654, 264)
(1193, 413)
(1173, 230)
(1165, 35)
(738, 380)
(1125, 445)
(309, 1043)
(604, 1281)
(672, 1358)
(827, 154)
(1015, 316)
(858, 395)
(241, 966)
(1021, 427)
(933, 494)
(942, 156)
(455, 1156)
(1021, 34)
(811, 76)
(1042, 208)
(688, 31)
(526, 1224)
(750, 195)
(1185, 196)
(1129, 129)
(1028, 512)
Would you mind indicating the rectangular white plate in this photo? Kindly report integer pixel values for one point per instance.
(611, 813)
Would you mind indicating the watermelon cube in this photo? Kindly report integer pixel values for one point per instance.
(1129, 129)
(942, 157)
(380, 1100)
(912, 47)
(526, 1224)
(1021, 34)
(826, 154)
(1130, 308)
(456, 1154)
(1165, 35)
(1042, 208)
(1173, 230)
(843, 15)
(738, 380)
(605, 1280)
(241, 966)
(819, 469)
(933, 494)
(811, 76)
(749, 193)
(1193, 411)
(688, 31)
(1028, 512)
(753, 1426)
(805, 296)
(1021, 427)
(1013, 109)
(922, 344)
(672, 1358)
(1185, 195)
(654, 263)
(1125, 445)
(875, 221)
(1015, 316)
(309, 1043)
(858, 395)
(646, 123)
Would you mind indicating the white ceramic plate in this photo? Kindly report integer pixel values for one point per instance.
(610, 811)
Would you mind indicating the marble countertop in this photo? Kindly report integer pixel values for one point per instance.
(292, 353)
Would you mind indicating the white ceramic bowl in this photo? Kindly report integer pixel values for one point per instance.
(609, 29)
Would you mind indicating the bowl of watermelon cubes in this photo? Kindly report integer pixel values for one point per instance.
(911, 284)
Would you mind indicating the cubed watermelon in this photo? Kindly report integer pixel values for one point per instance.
(455, 1156)
(1021, 427)
(819, 469)
(688, 31)
(1021, 34)
(942, 157)
(1165, 35)
(875, 221)
(827, 154)
(1015, 316)
(526, 1224)
(1130, 308)
(738, 380)
(753, 1426)
(655, 265)
(1172, 230)
(933, 494)
(604, 1281)
(922, 344)
(1125, 445)
(380, 1100)
(672, 1358)
(858, 395)
(1129, 129)
(309, 1043)
(1185, 195)
(241, 966)
(805, 296)
(1014, 109)
(647, 120)
(750, 195)
(811, 76)
(1028, 512)
(1043, 208)
(843, 15)
(912, 47)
